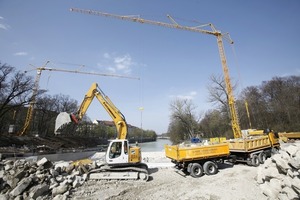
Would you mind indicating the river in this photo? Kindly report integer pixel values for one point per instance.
(158, 145)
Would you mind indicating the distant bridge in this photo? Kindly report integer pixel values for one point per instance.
(163, 137)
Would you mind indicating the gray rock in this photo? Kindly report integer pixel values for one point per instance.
(70, 168)
(39, 190)
(8, 167)
(59, 190)
(283, 196)
(292, 150)
(271, 172)
(22, 185)
(60, 178)
(295, 162)
(287, 181)
(78, 181)
(53, 185)
(290, 193)
(20, 174)
(269, 191)
(42, 161)
(284, 155)
(296, 184)
(61, 165)
(12, 182)
(290, 173)
(4, 197)
(54, 173)
(260, 175)
(60, 197)
(281, 163)
(2, 173)
(275, 184)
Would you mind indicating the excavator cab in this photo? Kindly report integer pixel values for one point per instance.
(119, 152)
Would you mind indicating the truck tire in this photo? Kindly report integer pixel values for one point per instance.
(210, 168)
(262, 157)
(196, 170)
(255, 161)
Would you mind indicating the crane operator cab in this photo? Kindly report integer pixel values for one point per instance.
(119, 152)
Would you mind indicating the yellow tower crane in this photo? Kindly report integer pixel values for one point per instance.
(35, 89)
(199, 29)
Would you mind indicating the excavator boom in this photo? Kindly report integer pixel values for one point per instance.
(94, 91)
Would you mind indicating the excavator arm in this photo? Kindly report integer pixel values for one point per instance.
(94, 91)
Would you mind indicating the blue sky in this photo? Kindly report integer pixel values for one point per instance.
(171, 63)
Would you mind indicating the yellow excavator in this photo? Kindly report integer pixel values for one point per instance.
(122, 161)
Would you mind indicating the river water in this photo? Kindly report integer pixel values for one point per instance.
(158, 145)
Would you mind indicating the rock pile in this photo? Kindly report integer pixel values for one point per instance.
(43, 179)
(279, 176)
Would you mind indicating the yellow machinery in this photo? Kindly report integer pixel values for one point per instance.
(197, 159)
(286, 136)
(250, 150)
(121, 160)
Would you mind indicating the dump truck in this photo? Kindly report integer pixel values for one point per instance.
(254, 147)
(197, 159)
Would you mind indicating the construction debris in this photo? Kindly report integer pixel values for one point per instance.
(23, 179)
(279, 177)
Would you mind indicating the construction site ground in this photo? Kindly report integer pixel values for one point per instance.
(232, 182)
(237, 181)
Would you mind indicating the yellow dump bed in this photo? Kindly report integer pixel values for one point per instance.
(182, 153)
(251, 144)
(290, 135)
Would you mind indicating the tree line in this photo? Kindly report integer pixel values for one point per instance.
(274, 104)
(16, 94)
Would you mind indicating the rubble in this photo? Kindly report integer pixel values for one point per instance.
(279, 176)
(23, 179)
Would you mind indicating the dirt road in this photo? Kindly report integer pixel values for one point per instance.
(232, 182)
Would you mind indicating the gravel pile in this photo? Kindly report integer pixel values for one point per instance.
(43, 179)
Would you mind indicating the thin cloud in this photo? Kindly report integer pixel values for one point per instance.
(3, 26)
(22, 53)
(117, 64)
(189, 96)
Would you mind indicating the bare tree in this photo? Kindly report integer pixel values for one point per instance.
(217, 91)
(15, 92)
(183, 118)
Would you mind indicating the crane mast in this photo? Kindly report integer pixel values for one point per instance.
(29, 114)
(199, 29)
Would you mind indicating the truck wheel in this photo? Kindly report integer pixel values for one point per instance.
(262, 157)
(196, 170)
(255, 161)
(210, 168)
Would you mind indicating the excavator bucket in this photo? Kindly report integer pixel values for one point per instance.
(62, 119)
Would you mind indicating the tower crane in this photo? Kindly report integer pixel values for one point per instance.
(198, 29)
(35, 89)
(32, 100)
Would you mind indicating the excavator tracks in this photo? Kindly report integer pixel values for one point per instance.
(119, 173)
